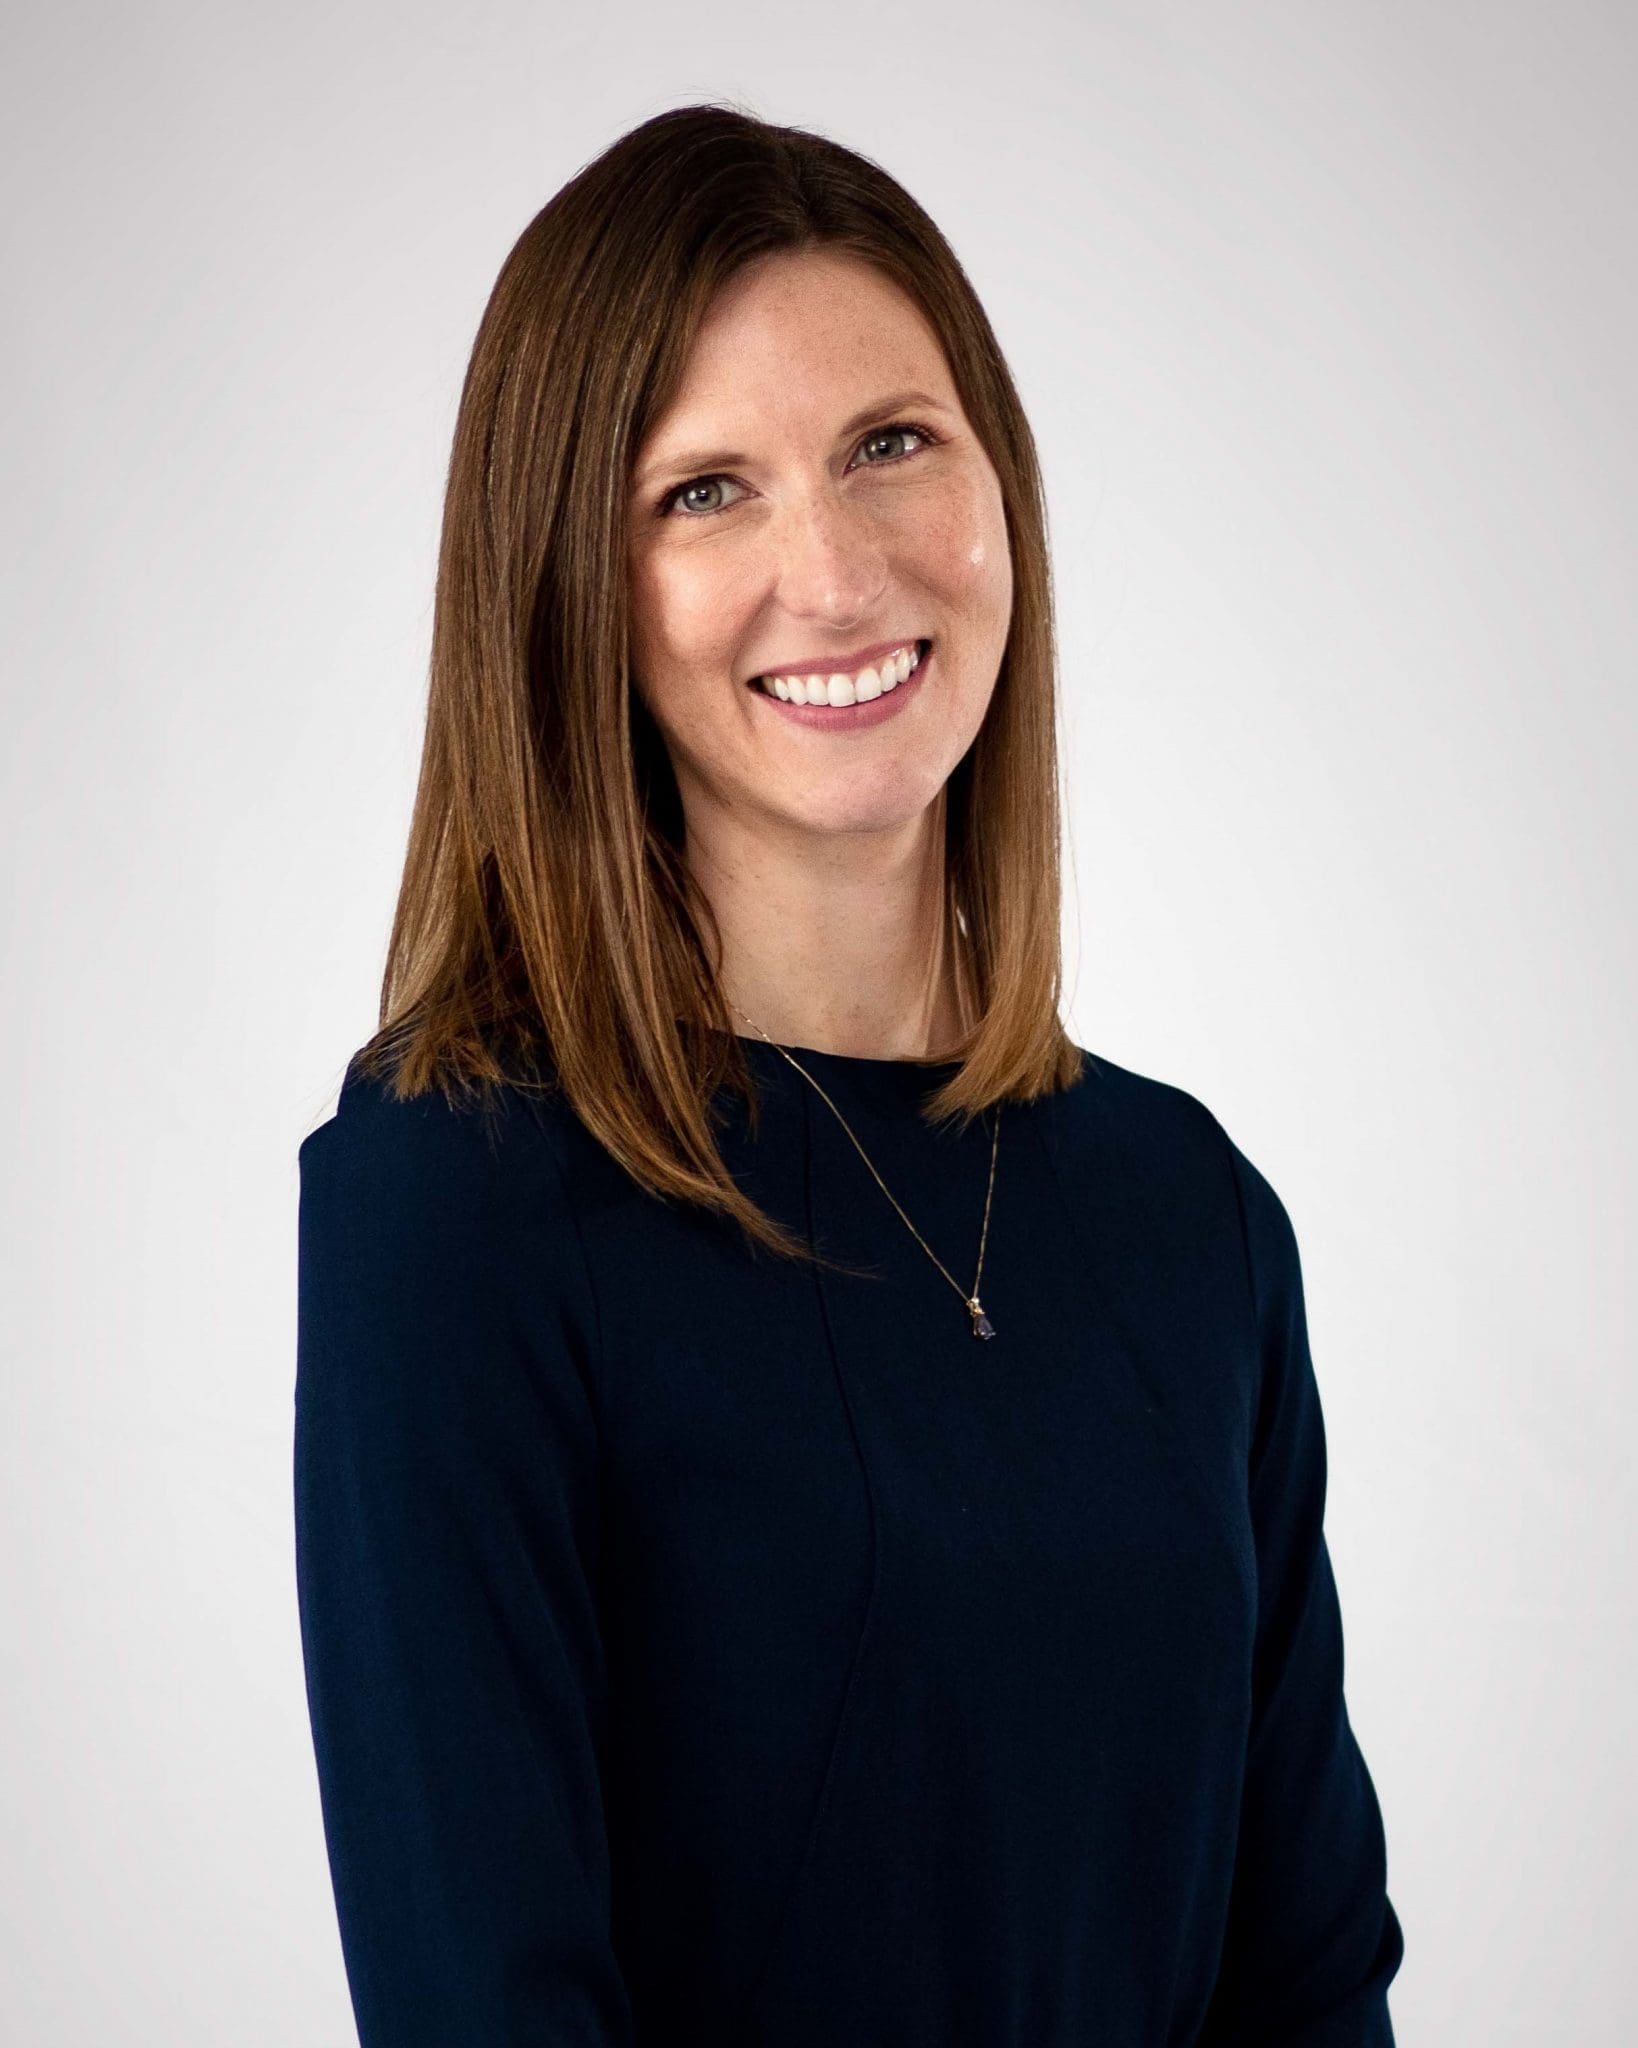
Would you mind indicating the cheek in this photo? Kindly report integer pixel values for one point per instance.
(686, 614)
(661, 608)
(961, 544)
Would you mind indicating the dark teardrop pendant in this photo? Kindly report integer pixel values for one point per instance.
(982, 1326)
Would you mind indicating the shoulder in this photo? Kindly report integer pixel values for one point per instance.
(428, 1224)
(433, 1147)
(1148, 1129)
(1159, 1146)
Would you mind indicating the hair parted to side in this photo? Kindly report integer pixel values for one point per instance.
(547, 931)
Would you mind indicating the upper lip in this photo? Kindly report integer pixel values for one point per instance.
(843, 664)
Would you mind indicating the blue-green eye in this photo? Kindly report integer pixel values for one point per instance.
(900, 429)
(889, 433)
(699, 483)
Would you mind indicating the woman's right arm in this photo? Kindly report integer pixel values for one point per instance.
(445, 1459)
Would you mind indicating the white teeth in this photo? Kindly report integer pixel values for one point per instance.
(841, 689)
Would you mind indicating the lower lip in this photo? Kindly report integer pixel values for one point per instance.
(849, 717)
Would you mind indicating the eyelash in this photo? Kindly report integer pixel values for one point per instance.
(893, 427)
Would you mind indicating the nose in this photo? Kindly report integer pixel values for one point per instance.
(829, 562)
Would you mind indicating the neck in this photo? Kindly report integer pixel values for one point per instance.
(839, 945)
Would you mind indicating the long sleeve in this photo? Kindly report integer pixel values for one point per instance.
(445, 1459)
(1312, 1940)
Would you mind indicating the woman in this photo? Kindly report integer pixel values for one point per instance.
(706, 1639)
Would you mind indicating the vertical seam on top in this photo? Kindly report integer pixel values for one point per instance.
(844, 1712)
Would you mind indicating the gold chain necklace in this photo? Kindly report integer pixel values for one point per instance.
(981, 1324)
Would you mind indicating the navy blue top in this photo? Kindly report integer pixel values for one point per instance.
(703, 1648)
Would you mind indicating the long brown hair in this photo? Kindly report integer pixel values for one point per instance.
(547, 925)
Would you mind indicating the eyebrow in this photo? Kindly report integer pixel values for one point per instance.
(696, 461)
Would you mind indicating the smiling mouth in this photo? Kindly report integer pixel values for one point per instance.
(876, 680)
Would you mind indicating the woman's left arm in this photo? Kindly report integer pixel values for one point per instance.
(1312, 1940)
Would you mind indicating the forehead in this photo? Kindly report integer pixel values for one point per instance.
(794, 337)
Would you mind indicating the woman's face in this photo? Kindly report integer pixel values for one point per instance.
(785, 516)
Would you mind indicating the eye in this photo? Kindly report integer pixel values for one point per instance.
(902, 430)
(699, 483)
(898, 431)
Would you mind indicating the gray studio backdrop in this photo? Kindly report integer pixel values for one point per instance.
(1325, 318)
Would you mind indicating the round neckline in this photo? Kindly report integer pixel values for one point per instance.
(845, 1062)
